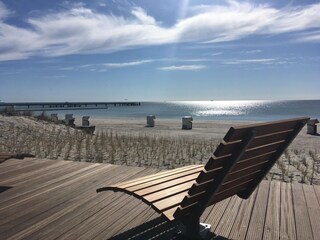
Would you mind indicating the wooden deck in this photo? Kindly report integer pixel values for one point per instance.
(50, 199)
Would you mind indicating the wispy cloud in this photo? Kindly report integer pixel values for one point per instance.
(309, 37)
(56, 76)
(4, 11)
(183, 68)
(251, 61)
(81, 30)
(126, 64)
(253, 51)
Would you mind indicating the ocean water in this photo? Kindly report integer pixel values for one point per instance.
(210, 110)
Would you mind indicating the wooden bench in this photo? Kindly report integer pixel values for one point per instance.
(238, 165)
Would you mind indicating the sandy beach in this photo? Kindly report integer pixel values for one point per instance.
(128, 141)
(201, 130)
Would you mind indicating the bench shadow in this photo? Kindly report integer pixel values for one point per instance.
(158, 229)
(4, 188)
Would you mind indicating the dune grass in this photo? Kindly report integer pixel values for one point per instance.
(48, 140)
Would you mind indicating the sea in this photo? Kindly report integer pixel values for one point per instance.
(208, 110)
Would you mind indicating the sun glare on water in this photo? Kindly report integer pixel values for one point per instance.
(214, 108)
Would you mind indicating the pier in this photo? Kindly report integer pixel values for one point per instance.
(47, 106)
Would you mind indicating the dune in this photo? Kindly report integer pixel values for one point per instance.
(127, 141)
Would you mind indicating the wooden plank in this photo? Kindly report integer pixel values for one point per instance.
(77, 196)
(179, 177)
(243, 174)
(225, 193)
(244, 163)
(86, 204)
(227, 220)
(263, 149)
(206, 213)
(100, 219)
(272, 161)
(169, 213)
(131, 214)
(16, 198)
(75, 211)
(287, 218)
(116, 220)
(216, 162)
(272, 222)
(142, 218)
(36, 172)
(170, 202)
(228, 148)
(313, 207)
(241, 223)
(20, 169)
(136, 219)
(237, 179)
(15, 172)
(36, 183)
(50, 206)
(16, 163)
(206, 176)
(174, 189)
(303, 225)
(145, 179)
(215, 185)
(214, 217)
(5, 156)
(249, 154)
(51, 228)
(237, 133)
(161, 187)
(256, 225)
(243, 168)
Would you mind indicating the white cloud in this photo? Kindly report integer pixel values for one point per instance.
(126, 64)
(310, 37)
(183, 68)
(142, 16)
(251, 61)
(253, 51)
(81, 30)
(4, 11)
(216, 54)
(55, 76)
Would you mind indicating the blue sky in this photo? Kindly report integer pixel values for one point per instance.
(105, 50)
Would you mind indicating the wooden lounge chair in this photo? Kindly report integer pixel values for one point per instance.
(238, 165)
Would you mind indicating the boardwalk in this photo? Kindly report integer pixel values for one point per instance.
(49, 199)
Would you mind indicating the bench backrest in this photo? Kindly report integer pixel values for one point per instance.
(239, 163)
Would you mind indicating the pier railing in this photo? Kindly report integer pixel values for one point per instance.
(42, 106)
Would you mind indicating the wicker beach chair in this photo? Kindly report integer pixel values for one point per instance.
(238, 165)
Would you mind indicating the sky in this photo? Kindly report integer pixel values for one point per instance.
(146, 50)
